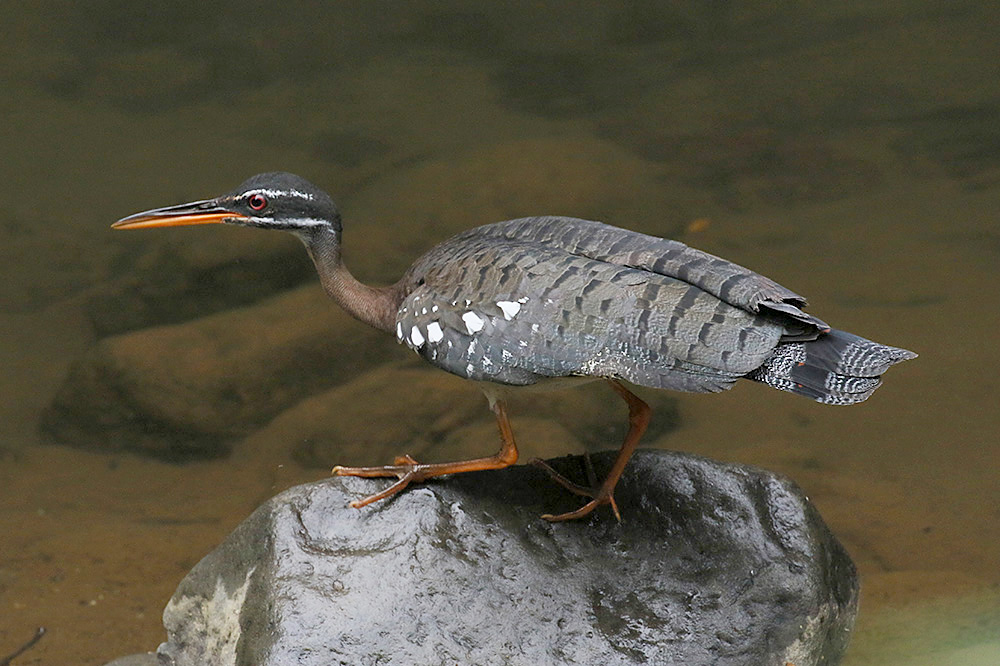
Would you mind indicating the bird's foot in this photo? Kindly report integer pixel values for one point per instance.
(599, 495)
(404, 468)
(575, 488)
(599, 499)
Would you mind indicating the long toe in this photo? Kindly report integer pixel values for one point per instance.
(585, 510)
(399, 470)
(403, 482)
(574, 488)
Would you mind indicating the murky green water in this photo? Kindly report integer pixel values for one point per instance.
(852, 152)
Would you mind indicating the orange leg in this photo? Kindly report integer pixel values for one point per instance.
(408, 470)
(638, 419)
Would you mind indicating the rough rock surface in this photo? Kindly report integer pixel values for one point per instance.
(712, 564)
(188, 390)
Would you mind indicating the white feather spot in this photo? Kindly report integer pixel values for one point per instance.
(399, 331)
(487, 363)
(423, 311)
(510, 309)
(523, 300)
(506, 355)
(522, 343)
(534, 328)
(473, 322)
(434, 308)
(469, 369)
(434, 332)
(416, 337)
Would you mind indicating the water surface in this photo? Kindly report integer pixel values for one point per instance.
(850, 152)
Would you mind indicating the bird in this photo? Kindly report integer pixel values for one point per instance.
(542, 301)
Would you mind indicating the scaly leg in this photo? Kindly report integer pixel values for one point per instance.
(408, 470)
(638, 419)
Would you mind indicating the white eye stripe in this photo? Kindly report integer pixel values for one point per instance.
(279, 193)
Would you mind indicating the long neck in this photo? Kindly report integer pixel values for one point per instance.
(375, 306)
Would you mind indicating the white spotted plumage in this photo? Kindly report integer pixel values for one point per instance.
(416, 337)
(438, 327)
(473, 322)
(510, 309)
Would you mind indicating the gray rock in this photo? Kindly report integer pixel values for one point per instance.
(191, 389)
(712, 564)
(144, 659)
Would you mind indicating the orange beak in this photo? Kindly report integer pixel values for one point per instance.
(196, 212)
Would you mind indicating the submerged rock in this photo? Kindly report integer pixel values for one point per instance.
(712, 564)
(171, 278)
(190, 389)
(412, 407)
(145, 659)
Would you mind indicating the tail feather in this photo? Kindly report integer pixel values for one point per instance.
(837, 368)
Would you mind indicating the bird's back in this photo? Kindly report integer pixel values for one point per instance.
(729, 282)
(522, 300)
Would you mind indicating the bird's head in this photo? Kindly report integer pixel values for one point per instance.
(268, 200)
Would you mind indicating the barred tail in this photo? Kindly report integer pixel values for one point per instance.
(837, 368)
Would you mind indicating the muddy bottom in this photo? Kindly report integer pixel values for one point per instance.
(850, 152)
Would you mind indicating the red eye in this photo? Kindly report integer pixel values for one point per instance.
(257, 202)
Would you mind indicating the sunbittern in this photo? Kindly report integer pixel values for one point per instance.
(517, 302)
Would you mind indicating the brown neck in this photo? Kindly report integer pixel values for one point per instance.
(375, 306)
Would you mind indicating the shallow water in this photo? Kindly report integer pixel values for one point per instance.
(852, 153)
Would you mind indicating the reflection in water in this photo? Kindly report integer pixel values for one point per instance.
(851, 152)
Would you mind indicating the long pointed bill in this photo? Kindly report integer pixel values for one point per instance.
(197, 212)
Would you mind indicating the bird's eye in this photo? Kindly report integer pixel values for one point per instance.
(257, 202)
